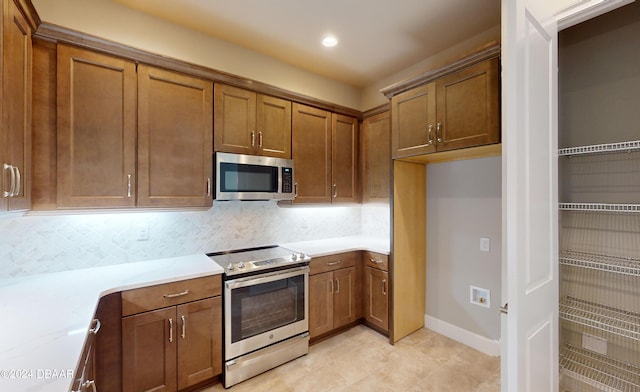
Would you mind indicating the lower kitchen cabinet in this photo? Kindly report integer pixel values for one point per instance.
(376, 289)
(334, 293)
(174, 347)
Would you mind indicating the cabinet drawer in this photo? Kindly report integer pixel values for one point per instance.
(376, 260)
(333, 262)
(168, 294)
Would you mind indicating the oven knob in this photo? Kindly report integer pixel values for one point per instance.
(293, 257)
(241, 265)
(230, 266)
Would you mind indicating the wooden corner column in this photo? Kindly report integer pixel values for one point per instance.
(409, 249)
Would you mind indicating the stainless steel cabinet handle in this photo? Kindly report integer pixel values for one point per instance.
(260, 139)
(253, 139)
(335, 190)
(128, 185)
(378, 261)
(208, 186)
(18, 181)
(337, 285)
(334, 262)
(384, 287)
(94, 330)
(184, 327)
(180, 294)
(430, 132)
(87, 384)
(170, 330)
(295, 189)
(439, 132)
(6, 167)
(331, 286)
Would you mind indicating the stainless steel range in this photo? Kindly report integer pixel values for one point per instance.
(266, 309)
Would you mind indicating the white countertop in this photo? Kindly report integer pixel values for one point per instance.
(330, 246)
(45, 318)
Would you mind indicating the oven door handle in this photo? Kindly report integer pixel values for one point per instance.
(265, 278)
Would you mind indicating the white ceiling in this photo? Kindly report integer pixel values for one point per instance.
(377, 38)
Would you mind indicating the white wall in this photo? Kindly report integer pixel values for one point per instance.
(372, 97)
(464, 204)
(110, 20)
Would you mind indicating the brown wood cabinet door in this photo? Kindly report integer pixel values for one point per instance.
(234, 120)
(376, 288)
(96, 129)
(199, 341)
(376, 158)
(273, 126)
(311, 135)
(413, 118)
(16, 108)
(149, 351)
(344, 296)
(320, 304)
(344, 158)
(175, 120)
(469, 106)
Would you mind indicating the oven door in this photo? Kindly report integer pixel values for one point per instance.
(264, 309)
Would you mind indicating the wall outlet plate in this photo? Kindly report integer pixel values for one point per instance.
(485, 244)
(479, 296)
(594, 343)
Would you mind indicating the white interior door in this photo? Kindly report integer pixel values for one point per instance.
(529, 195)
(530, 224)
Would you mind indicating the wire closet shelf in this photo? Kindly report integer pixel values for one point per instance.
(617, 265)
(599, 371)
(629, 146)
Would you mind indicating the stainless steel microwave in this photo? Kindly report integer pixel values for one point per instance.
(251, 177)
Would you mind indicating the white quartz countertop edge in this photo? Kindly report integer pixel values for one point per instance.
(46, 317)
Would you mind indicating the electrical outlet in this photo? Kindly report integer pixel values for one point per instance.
(142, 231)
(594, 343)
(485, 244)
(479, 296)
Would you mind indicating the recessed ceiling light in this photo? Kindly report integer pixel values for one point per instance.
(330, 41)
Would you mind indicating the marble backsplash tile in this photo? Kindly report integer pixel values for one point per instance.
(35, 244)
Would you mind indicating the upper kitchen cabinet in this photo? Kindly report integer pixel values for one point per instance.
(325, 155)
(455, 108)
(344, 158)
(246, 122)
(414, 121)
(96, 132)
(376, 157)
(175, 138)
(128, 137)
(15, 107)
(468, 107)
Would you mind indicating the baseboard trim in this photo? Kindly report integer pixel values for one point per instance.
(471, 339)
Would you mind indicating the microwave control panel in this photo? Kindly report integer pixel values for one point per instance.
(287, 179)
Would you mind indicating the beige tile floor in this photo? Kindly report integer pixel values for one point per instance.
(363, 360)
